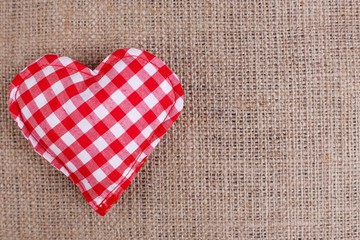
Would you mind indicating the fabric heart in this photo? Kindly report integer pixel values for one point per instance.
(96, 126)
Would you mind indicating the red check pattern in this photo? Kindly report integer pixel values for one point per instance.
(96, 126)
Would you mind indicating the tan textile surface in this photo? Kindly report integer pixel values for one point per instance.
(267, 147)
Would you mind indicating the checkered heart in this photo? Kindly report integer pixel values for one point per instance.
(96, 126)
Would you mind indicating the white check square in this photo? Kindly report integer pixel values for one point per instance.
(155, 142)
(65, 60)
(151, 100)
(69, 107)
(30, 82)
(131, 147)
(26, 112)
(115, 161)
(63, 170)
(117, 130)
(57, 87)
(162, 116)
(84, 156)
(101, 112)
(134, 115)
(118, 97)
(39, 131)
(77, 77)
(86, 184)
(135, 82)
(48, 70)
(120, 66)
(98, 200)
(179, 104)
(55, 149)
(86, 95)
(84, 125)
(71, 166)
(150, 69)
(52, 120)
(68, 138)
(99, 175)
(100, 144)
(165, 86)
(40, 100)
(105, 80)
(134, 51)
(147, 131)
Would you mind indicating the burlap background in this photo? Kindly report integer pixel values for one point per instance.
(268, 145)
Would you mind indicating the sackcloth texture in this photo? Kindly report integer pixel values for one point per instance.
(268, 143)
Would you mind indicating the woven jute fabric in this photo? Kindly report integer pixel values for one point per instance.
(268, 144)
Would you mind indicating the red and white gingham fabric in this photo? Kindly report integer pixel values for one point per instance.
(96, 126)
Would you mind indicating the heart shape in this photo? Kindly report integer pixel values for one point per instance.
(96, 126)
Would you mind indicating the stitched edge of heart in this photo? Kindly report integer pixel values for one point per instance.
(123, 182)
